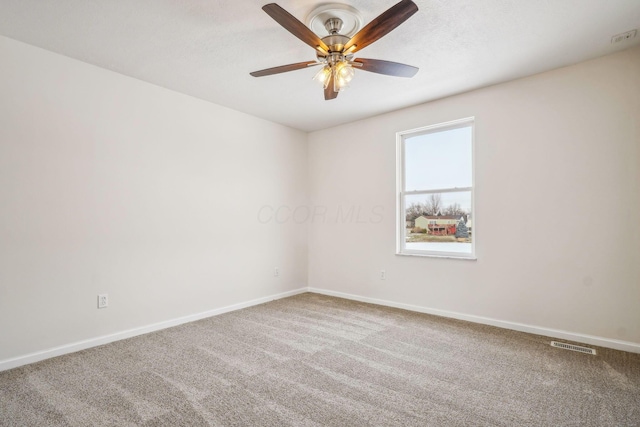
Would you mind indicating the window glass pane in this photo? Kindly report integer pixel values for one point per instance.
(438, 160)
(440, 222)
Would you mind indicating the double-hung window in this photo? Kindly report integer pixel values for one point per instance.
(435, 190)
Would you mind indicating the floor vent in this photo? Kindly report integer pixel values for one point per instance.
(573, 347)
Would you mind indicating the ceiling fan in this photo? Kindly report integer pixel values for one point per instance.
(335, 52)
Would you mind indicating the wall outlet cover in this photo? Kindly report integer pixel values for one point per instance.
(103, 301)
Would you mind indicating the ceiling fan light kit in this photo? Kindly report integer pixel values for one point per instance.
(336, 51)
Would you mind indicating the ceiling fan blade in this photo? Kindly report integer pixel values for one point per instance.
(295, 27)
(329, 93)
(386, 67)
(382, 25)
(284, 68)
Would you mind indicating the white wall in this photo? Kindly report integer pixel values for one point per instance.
(109, 184)
(557, 215)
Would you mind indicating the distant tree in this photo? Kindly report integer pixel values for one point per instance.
(414, 211)
(462, 232)
(453, 209)
(430, 207)
(433, 206)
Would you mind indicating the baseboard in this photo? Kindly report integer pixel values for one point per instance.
(553, 333)
(105, 339)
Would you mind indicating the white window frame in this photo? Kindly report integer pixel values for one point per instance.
(401, 248)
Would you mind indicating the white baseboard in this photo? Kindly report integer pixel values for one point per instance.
(553, 333)
(105, 339)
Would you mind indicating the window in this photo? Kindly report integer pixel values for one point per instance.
(435, 190)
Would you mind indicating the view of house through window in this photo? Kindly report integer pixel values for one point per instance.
(436, 190)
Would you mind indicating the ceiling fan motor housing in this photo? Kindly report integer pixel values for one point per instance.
(335, 42)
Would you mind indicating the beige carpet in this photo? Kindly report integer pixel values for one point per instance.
(312, 360)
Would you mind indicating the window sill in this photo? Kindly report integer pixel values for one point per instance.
(467, 258)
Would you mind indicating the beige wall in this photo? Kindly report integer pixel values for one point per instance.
(422, 222)
(563, 144)
(174, 206)
(109, 184)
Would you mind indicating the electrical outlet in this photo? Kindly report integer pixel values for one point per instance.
(276, 272)
(383, 275)
(623, 36)
(103, 301)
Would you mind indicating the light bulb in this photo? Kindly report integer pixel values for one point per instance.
(322, 76)
(343, 74)
(346, 72)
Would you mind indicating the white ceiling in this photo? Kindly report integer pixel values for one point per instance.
(206, 48)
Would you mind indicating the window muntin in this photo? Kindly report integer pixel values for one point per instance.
(435, 190)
